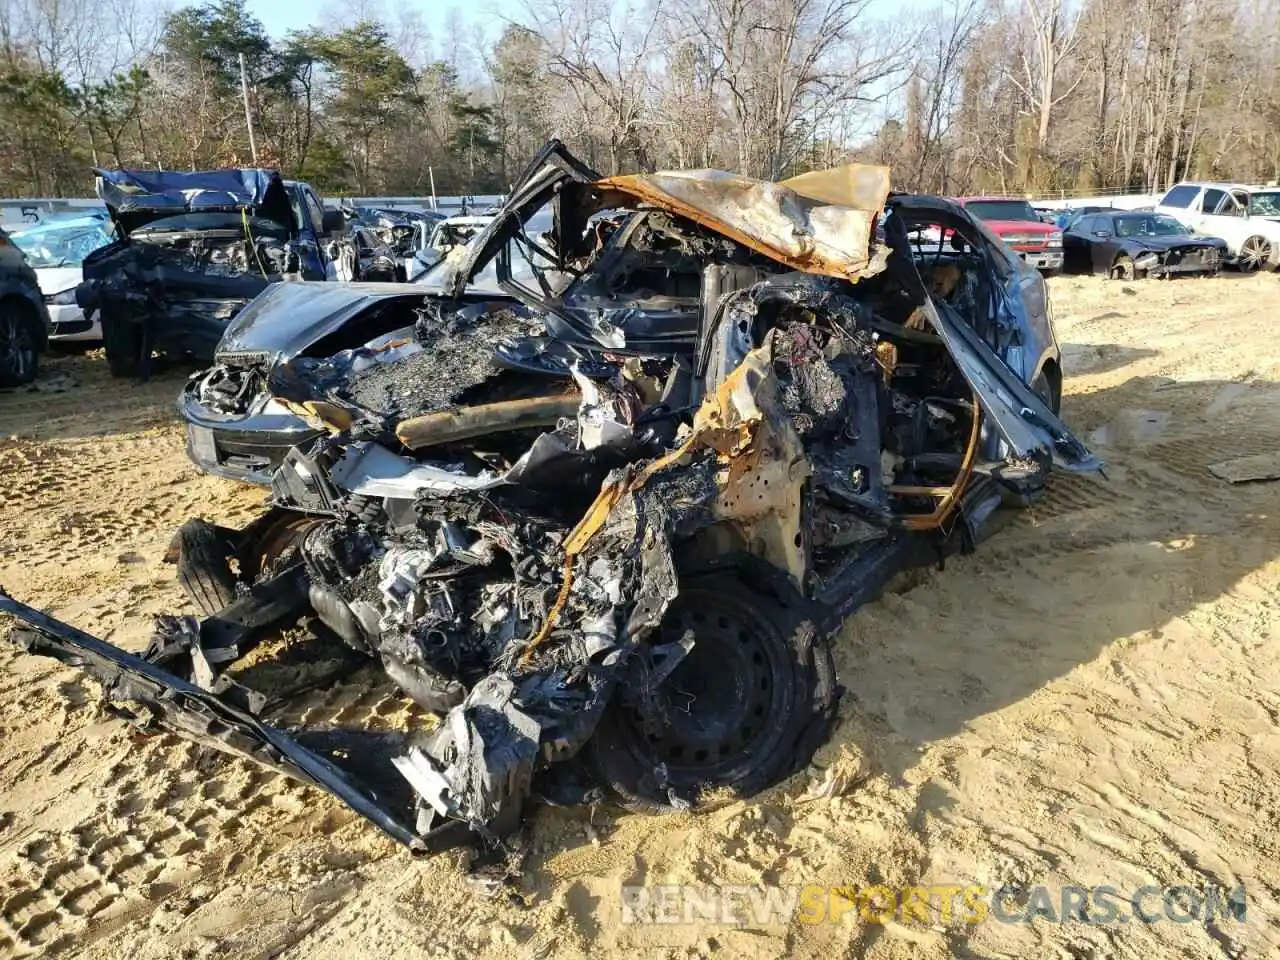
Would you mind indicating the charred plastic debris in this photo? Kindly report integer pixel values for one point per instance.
(606, 541)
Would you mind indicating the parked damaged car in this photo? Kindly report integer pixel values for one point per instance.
(191, 249)
(615, 571)
(1129, 245)
(55, 249)
(434, 241)
(394, 227)
(238, 430)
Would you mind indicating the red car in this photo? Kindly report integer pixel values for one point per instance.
(1018, 225)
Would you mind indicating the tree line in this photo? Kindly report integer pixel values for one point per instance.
(1010, 96)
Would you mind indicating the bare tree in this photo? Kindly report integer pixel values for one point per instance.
(602, 50)
(789, 66)
(934, 94)
(1054, 39)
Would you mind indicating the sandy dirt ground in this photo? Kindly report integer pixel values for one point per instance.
(1091, 698)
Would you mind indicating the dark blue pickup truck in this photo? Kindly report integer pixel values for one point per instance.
(191, 250)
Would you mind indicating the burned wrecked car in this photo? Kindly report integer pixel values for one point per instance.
(615, 572)
(191, 250)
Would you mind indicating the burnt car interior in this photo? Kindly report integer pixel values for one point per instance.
(604, 529)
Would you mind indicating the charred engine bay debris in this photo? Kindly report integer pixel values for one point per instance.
(457, 356)
(613, 575)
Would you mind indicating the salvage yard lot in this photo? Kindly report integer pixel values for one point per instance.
(1091, 698)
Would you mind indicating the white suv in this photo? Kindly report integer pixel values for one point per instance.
(1226, 210)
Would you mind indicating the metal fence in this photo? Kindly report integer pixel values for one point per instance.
(16, 212)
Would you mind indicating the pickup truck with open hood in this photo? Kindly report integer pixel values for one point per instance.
(191, 250)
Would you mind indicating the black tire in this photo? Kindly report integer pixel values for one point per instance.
(204, 553)
(122, 341)
(1043, 389)
(768, 693)
(20, 338)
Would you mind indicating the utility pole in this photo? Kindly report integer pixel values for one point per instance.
(248, 117)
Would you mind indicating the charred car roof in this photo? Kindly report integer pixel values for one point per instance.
(821, 222)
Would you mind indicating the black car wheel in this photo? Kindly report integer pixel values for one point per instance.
(746, 707)
(19, 339)
(1044, 389)
(1255, 253)
(122, 343)
(203, 554)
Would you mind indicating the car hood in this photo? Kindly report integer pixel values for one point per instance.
(58, 279)
(286, 318)
(136, 197)
(1170, 243)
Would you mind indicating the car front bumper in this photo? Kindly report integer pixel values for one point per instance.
(1168, 270)
(69, 324)
(247, 448)
(1042, 259)
(1175, 263)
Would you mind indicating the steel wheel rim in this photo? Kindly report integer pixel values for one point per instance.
(720, 698)
(17, 352)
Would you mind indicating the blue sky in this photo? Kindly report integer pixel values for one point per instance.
(437, 16)
(424, 30)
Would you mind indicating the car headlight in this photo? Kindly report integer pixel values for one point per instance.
(1056, 237)
(67, 298)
